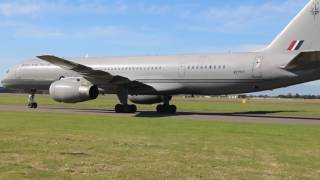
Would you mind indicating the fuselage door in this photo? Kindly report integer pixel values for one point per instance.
(182, 70)
(257, 67)
(17, 72)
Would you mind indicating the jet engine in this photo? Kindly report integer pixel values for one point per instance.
(73, 90)
(145, 99)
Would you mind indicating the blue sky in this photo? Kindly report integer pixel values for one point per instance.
(141, 27)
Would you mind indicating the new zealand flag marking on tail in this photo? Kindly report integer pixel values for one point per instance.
(295, 45)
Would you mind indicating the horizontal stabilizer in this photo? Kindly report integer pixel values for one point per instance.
(305, 61)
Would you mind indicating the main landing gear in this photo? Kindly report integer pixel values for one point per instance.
(170, 109)
(124, 107)
(166, 107)
(31, 100)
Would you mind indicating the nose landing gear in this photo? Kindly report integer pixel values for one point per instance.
(31, 100)
(33, 105)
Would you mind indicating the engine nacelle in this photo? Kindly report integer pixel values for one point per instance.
(73, 91)
(145, 99)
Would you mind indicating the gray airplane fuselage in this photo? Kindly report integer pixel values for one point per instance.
(206, 74)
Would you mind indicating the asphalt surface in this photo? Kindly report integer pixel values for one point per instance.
(248, 117)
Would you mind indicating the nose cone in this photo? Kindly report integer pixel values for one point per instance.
(6, 82)
(1, 84)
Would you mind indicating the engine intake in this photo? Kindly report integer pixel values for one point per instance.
(72, 91)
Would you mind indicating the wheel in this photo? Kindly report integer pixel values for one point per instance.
(160, 109)
(172, 109)
(35, 105)
(118, 108)
(129, 108)
(133, 108)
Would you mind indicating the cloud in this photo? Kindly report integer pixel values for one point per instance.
(20, 29)
(155, 9)
(101, 32)
(37, 7)
(251, 47)
(256, 11)
(38, 32)
(188, 16)
(225, 19)
(9, 9)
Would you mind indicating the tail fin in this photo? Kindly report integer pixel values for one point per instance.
(303, 32)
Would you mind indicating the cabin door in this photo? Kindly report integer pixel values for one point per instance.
(182, 70)
(257, 67)
(17, 72)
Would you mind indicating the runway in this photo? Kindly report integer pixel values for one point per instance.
(252, 117)
(247, 117)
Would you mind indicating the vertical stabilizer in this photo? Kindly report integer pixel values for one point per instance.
(303, 32)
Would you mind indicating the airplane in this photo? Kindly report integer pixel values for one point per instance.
(293, 57)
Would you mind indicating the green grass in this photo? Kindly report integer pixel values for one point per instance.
(77, 146)
(288, 107)
(73, 146)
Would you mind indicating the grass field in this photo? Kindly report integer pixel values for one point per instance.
(77, 146)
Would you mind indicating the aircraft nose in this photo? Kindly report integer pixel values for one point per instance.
(6, 81)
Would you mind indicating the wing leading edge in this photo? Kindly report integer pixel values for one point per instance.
(92, 75)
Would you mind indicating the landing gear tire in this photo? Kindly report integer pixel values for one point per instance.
(119, 108)
(33, 105)
(170, 109)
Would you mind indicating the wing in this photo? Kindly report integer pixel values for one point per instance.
(92, 75)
